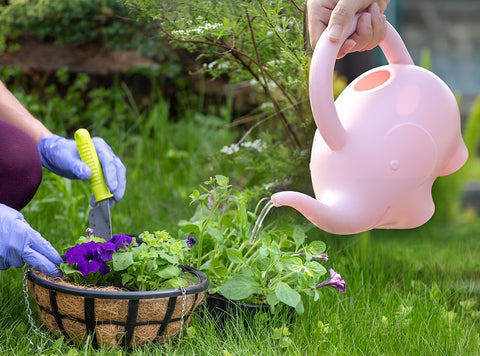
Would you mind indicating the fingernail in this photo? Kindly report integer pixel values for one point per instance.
(346, 48)
(335, 32)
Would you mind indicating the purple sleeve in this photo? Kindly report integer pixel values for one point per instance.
(20, 166)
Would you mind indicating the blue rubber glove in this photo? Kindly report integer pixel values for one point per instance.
(20, 244)
(60, 155)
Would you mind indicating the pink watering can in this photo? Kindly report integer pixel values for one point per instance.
(380, 146)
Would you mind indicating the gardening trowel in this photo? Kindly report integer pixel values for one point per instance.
(99, 216)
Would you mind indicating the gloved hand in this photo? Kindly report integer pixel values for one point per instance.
(60, 155)
(20, 244)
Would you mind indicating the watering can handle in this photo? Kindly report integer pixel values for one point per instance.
(321, 79)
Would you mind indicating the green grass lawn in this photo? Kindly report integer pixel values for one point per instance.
(409, 292)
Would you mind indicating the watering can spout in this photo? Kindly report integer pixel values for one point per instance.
(316, 212)
(306, 205)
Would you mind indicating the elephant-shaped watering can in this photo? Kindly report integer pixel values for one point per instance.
(380, 146)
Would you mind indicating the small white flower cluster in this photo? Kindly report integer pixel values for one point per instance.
(216, 64)
(230, 150)
(258, 145)
(208, 26)
(278, 184)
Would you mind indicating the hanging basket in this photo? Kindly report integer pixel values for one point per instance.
(113, 317)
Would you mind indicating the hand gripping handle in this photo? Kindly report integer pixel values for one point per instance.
(88, 154)
(321, 79)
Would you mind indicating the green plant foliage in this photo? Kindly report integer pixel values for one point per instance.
(149, 262)
(74, 21)
(276, 266)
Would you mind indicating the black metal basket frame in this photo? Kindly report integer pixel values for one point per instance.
(133, 298)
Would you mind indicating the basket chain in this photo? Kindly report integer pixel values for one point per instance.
(35, 329)
(184, 297)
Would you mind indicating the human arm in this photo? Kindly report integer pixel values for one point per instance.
(13, 112)
(336, 16)
(59, 154)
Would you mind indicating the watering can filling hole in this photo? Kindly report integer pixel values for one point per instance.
(372, 80)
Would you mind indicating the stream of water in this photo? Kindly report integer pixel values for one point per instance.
(258, 224)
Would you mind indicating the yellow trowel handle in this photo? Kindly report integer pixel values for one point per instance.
(88, 154)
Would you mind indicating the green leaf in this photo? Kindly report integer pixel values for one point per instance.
(239, 287)
(292, 264)
(69, 269)
(171, 259)
(316, 247)
(221, 271)
(272, 299)
(169, 272)
(195, 195)
(189, 227)
(217, 234)
(286, 244)
(262, 263)
(83, 239)
(315, 268)
(234, 255)
(263, 251)
(287, 295)
(298, 235)
(126, 278)
(221, 180)
(299, 308)
(121, 261)
(174, 283)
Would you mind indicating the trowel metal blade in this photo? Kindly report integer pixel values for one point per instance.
(100, 221)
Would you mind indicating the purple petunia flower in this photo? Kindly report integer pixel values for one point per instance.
(190, 240)
(105, 251)
(87, 258)
(322, 256)
(335, 281)
(120, 240)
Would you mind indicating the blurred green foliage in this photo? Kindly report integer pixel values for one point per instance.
(77, 21)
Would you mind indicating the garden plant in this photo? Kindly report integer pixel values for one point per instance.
(275, 267)
(150, 261)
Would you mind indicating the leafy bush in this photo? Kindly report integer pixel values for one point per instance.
(261, 42)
